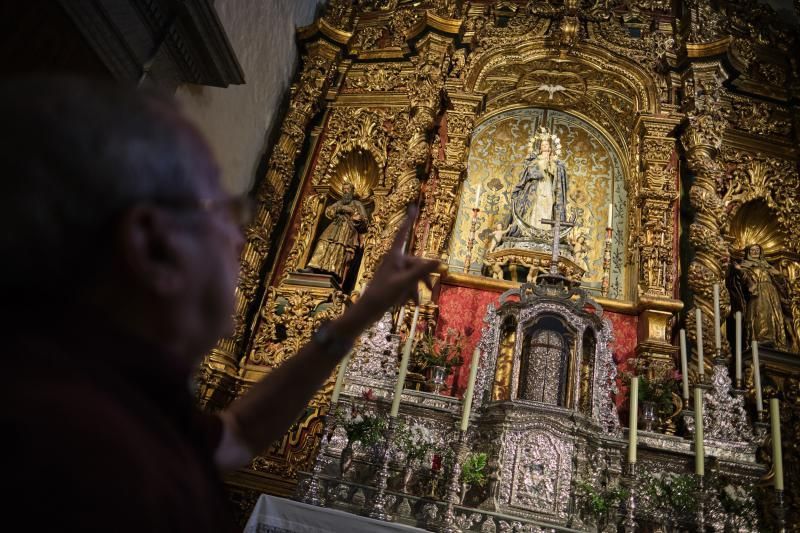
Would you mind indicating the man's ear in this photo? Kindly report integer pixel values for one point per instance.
(149, 249)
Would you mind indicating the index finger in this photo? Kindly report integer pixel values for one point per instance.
(405, 229)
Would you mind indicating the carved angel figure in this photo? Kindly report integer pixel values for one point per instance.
(759, 289)
(338, 242)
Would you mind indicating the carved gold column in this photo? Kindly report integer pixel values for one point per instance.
(654, 211)
(702, 139)
(441, 200)
(319, 64)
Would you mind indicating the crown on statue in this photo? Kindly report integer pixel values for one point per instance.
(542, 135)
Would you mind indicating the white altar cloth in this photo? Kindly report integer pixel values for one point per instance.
(279, 515)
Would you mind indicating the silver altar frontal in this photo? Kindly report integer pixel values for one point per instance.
(544, 413)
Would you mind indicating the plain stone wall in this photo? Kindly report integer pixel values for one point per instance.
(238, 120)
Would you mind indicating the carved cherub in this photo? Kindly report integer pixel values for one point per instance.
(497, 270)
(579, 250)
(497, 236)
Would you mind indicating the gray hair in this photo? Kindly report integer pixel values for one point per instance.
(75, 153)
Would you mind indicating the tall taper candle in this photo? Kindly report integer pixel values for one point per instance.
(717, 325)
(699, 329)
(610, 215)
(337, 387)
(738, 319)
(401, 374)
(633, 421)
(477, 197)
(684, 366)
(777, 452)
(757, 377)
(473, 372)
(699, 450)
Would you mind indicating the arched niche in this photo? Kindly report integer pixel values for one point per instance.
(548, 363)
(359, 168)
(755, 223)
(590, 80)
(583, 371)
(596, 178)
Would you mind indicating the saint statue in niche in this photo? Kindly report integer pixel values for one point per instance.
(760, 291)
(339, 241)
(541, 192)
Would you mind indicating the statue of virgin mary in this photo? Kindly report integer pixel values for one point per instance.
(541, 192)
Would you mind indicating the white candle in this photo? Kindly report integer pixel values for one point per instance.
(699, 323)
(738, 319)
(477, 197)
(757, 377)
(684, 366)
(473, 372)
(717, 326)
(401, 374)
(633, 421)
(610, 215)
(401, 316)
(337, 387)
(699, 451)
(777, 452)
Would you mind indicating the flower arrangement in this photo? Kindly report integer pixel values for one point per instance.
(447, 352)
(362, 426)
(415, 440)
(473, 470)
(657, 390)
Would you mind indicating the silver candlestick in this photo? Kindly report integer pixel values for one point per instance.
(630, 512)
(780, 512)
(314, 494)
(449, 517)
(378, 507)
(701, 506)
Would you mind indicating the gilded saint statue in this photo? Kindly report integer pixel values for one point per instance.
(541, 192)
(761, 292)
(339, 241)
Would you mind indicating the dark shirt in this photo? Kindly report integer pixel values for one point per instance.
(102, 434)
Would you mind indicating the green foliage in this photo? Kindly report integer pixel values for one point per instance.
(447, 352)
(601, 502)
(473, 470)
(656, 390)
(738, 501)
(368, 429)
(675, 492)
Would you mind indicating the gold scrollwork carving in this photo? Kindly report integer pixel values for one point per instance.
(319, 65)
(775, 181)
(702, 140)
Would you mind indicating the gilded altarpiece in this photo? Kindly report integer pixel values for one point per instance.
(685, 124)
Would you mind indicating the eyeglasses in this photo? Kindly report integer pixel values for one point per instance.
(241, 209)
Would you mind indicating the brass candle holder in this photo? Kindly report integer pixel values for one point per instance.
(473, 226)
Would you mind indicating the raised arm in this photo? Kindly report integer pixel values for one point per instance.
(263, 414)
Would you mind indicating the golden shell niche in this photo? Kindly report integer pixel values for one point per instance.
(359, 168)
(756, 223)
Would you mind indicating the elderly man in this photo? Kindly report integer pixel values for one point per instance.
(120, 255)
